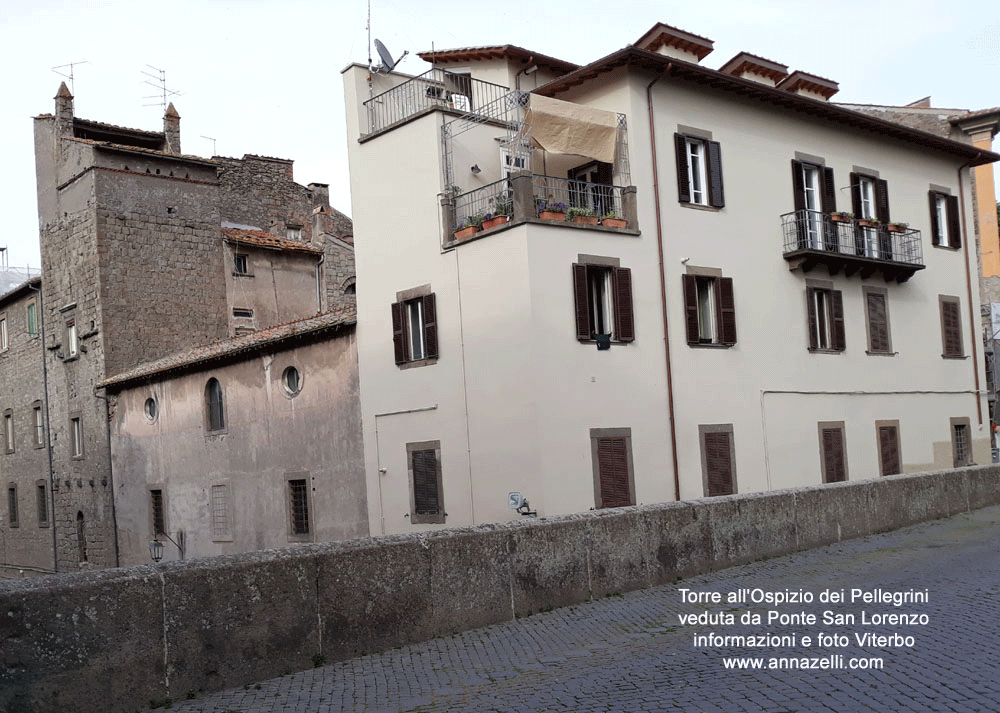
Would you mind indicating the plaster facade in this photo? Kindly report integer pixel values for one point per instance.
(513, 394)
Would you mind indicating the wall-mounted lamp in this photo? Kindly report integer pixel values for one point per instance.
(532, 69)
(156, 547)
(475, 169)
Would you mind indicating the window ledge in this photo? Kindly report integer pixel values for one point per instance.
(881, 354)
(699, 206)
(949, 248)
(223, 539)
(956, 357)
(242, 274)
(714, 345)
(216, 434)
(428, 519)
(417, 363)
(816, 350)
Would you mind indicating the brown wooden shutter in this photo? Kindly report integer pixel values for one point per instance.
(878, 327)
(888, 443)
(612, 466)
(951, 329)
(727, 310)
(399, 332)
(430, 326)
(811, 309)
(954, 229)
(838, 340)
(716, 195)
(683, 180)
(856, 194)
(621, 278)
(690, 285)
(799, 201)
(718, 464)
(935, 228)
(882, 200)
(425, 483)
(582, 304)
(833, 455)
(829, 199)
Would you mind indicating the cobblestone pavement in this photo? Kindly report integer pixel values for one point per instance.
(632, 653)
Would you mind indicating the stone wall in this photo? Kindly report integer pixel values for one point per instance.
(112, 641)
(260, 191)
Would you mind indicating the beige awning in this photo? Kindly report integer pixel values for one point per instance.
(563, 127)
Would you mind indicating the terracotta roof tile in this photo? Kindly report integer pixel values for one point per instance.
(113, 127)
(139, 149)
(244, 343)
(266, 240)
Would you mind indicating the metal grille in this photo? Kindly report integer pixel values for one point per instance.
(299, 501)
(220, 511)
(813, 230)
(961, 444)
(564, 193)
(157, 513)
(12, 505)
(483, 203)
(43, 505)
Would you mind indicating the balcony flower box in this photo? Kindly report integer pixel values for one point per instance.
(468, 227)
(552, 211)
(583, 215)
(841, 217)
(868, 223)
(493, 222)
(614, 221)
(897, 227)
(463, 233)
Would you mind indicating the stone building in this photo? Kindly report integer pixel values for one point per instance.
(147, 252)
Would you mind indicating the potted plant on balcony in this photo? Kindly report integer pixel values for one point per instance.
(868, 222)
(552, 211)
(613, 220)
(469, 226)
(896, 227)
(583, 215)
(841, 216)
(503, 208)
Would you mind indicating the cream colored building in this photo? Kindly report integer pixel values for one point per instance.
(732, 337)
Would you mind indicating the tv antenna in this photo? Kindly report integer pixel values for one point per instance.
(388, 63)
(72, 85)
(160, 84)
(214, 153)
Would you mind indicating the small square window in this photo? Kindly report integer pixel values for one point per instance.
(240, 264)
(72, 346)
(39, 424)
(42, 503)
(293, 232)
(220, 513)
(710, 307)
(602, 294)
(76, 437)
(31, 318)
(414, 327)
(825, 308)
(12, 518)
(699, 171)
(157, 513)
(8, 431)
(299, 522)
(242, 313)
(961, 444)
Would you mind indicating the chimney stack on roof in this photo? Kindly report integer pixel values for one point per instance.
(756, 69)
(172, 130)
(64, 111)
(672, 42)
(809, 85)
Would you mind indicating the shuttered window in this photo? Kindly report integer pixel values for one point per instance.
(833, 452)
(945, 228)
(710, 309)
(699, 171)
(951, 328)
(960, 443)
(888, 449)
(414, 329)
(877, 311)
(717, 455)
(424, 466)
(612, 461)
(826, 319)
(602, 297)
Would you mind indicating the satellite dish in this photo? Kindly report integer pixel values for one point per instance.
(388, 63)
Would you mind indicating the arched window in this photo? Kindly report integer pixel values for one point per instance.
(81, 537)
(215, 418)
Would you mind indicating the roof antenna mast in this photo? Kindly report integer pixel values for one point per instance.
(72, 84)
(160, 84)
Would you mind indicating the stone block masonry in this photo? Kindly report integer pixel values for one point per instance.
(112, 641)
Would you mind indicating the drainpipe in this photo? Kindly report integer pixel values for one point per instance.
(48, 430)
(111, 474)
(663, 283)
(968, 285)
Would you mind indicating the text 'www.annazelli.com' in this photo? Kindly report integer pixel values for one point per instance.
(833, 661)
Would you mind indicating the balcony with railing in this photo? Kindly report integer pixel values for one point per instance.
(434, 89)
(851, 246)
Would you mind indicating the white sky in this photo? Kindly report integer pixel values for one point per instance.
(264, 77)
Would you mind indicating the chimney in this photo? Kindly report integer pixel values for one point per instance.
(320, 193)
(809, 85)
(756, 69)
(672, 42)
(64, 111)
(172, 130)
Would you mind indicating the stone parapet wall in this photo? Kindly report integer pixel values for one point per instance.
(114, 640)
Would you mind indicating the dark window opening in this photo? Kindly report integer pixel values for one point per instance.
(214, 405)
(298, 492)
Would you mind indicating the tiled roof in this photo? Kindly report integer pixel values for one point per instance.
(254, 341)
(112, 127)
(465, 54)
(139, 149)
(266, 240)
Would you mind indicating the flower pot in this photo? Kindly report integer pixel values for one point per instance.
(839, 218)
(586, 219)
(896, 228)
(551, 215)
(867, 223)
(614, 223)
(464, 233)
(494, 222)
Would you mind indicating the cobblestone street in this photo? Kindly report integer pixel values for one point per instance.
(632, 653)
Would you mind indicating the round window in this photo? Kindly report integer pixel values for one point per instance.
(150, 409)
(293, 382)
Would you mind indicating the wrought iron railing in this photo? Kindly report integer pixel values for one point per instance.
(598, 198)
(491, 200)
(433, 88)
(813, 230)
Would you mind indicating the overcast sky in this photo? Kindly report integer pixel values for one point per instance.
(264, 77)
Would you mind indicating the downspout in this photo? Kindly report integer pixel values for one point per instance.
(111, 475)
(663, 284)
(48, 430)
(968, 285)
